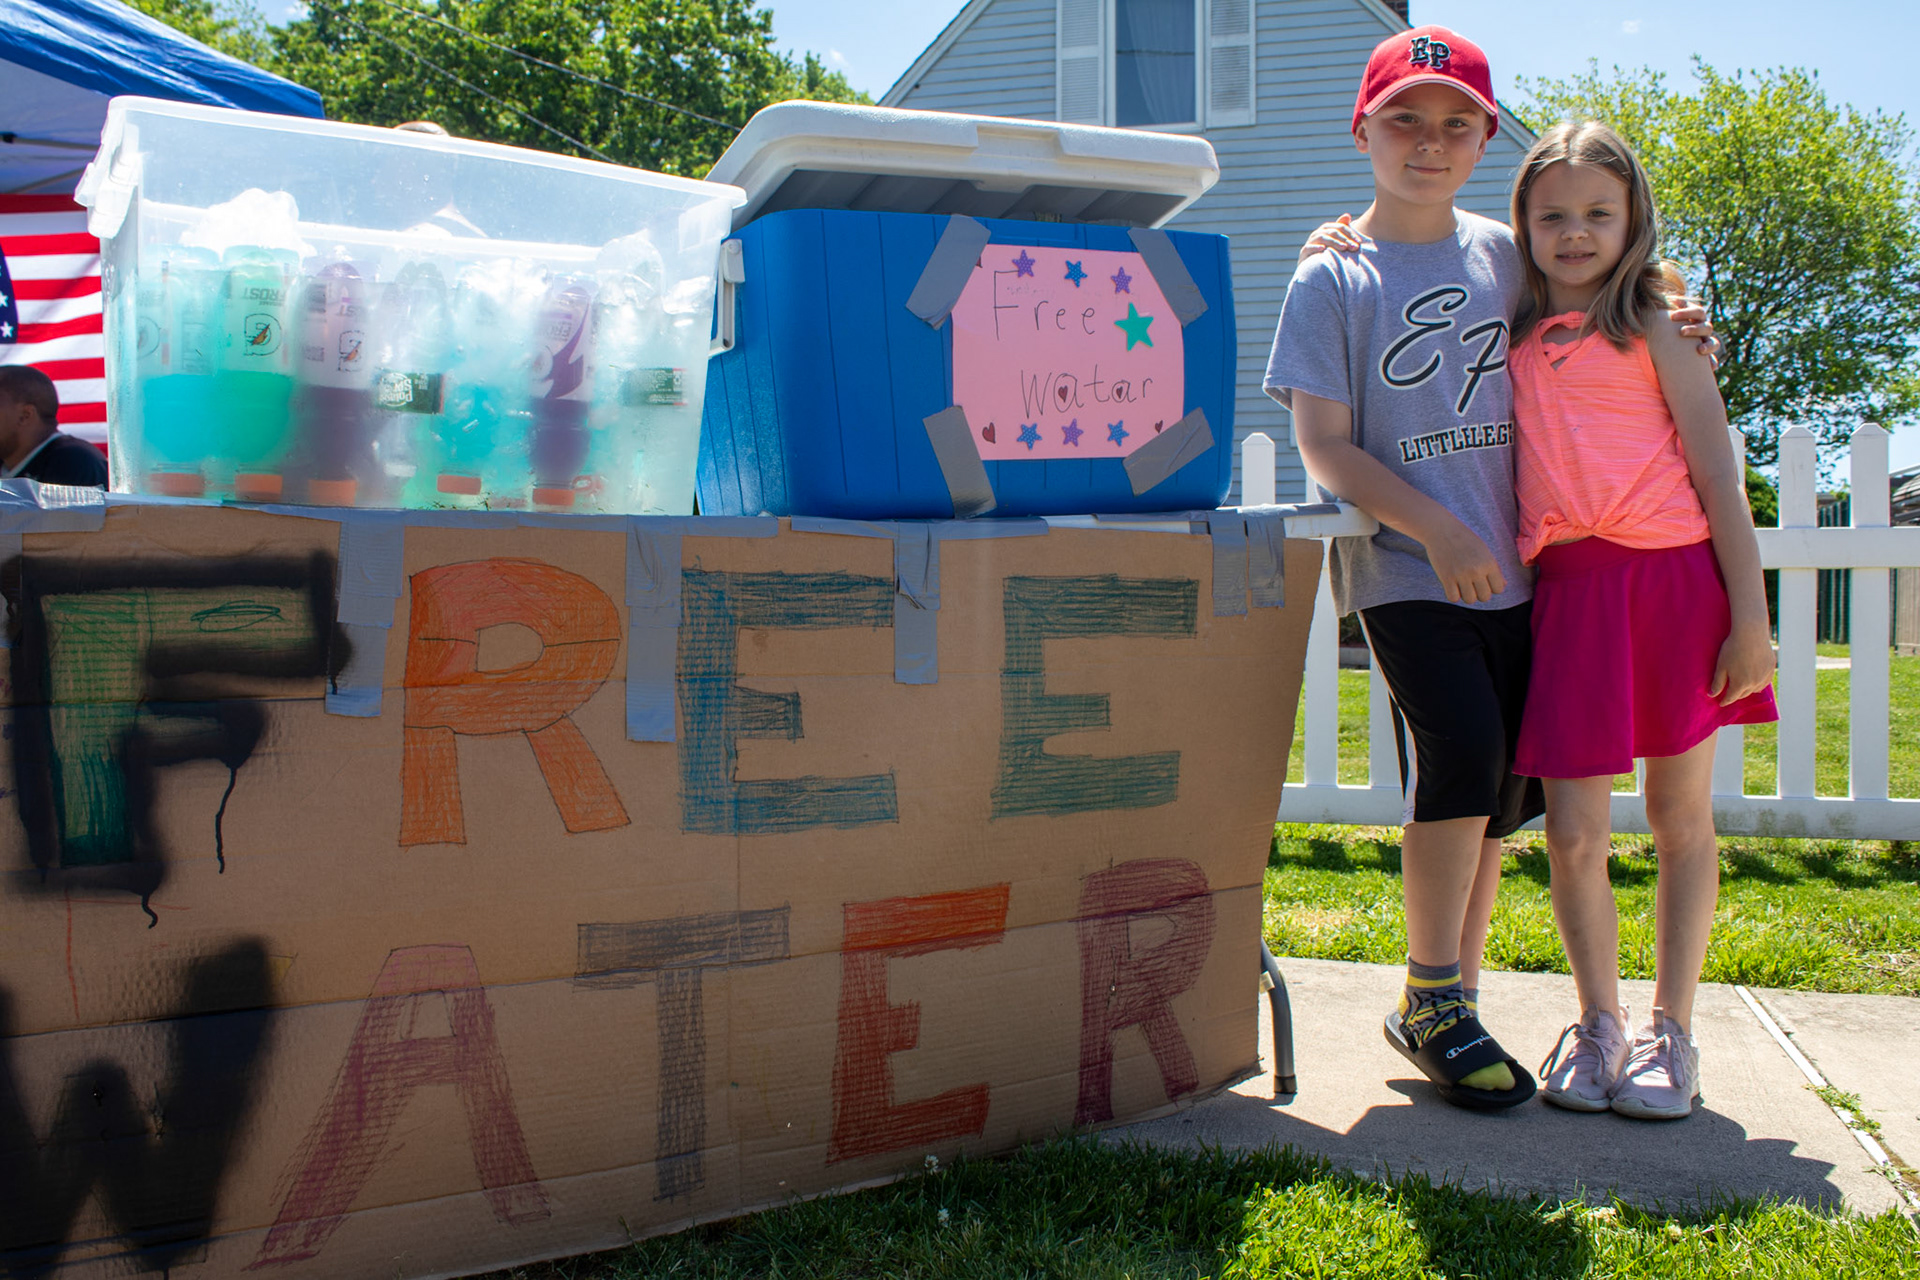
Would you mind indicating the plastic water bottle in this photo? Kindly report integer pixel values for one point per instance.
(562, 386)
(409, 381)
(628, 385)
(253, 372)
(335, 369)
(476, 455)
(175, 317)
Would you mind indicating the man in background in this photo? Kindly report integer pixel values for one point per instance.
(31, 446)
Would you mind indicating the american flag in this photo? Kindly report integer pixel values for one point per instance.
(50, 305)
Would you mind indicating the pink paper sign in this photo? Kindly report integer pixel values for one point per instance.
(1065, 353)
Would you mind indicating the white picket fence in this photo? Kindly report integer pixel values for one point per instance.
(1798, 549)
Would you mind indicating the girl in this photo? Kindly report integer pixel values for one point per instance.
(1649, 617)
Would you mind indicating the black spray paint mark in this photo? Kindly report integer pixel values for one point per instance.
(122, 669)
(156, 1163)
(671, 954)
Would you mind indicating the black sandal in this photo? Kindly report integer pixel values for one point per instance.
(1452, 1054)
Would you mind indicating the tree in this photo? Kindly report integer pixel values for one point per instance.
(686, 73)
(1796, 219)
(234, 27)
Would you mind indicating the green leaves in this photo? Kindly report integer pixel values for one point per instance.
(234, 27)
(686, 74)
(1798, 220)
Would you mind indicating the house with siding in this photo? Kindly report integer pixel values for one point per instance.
(1270, 83)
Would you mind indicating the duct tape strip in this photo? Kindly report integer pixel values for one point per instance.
(972, 530)
(1169, 451)
(1229, 533)
(654, 546)
(916, 605)
(371, 578)
(454, 519)
(1163, 260)
(717, 526)
(960, 465)
(947, 269)
(653, 630)
(1266, 559)
(356, 691)
(846, 528)
(463, 519)
(29, 507)
(916, 586)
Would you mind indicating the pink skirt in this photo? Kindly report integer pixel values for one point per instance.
(1624, 645)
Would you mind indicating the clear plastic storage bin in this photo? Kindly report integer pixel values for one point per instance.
(305, 311)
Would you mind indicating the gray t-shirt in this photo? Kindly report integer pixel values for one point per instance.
(1413, 339)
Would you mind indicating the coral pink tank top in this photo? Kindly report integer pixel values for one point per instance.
(1599, 455)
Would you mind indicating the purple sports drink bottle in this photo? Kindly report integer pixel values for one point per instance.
(562, 390)
(335, 369)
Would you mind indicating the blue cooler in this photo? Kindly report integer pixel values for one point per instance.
(926, 315)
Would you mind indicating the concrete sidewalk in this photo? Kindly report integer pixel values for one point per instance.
(1761, 1130)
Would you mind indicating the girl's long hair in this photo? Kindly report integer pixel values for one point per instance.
(1640, 283)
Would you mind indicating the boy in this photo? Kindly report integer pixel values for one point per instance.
(1393, 361)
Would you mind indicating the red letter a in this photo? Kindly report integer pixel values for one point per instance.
(383, 1068)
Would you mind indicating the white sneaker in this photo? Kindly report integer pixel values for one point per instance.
(1662, 1077)
(1581, 1077)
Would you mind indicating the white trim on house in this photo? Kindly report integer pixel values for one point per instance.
(910, 80)
(1083, 72)
(973, 10)
(1230, 58)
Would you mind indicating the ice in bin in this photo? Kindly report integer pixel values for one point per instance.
(306, 311)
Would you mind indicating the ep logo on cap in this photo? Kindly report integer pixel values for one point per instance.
(1428, 52)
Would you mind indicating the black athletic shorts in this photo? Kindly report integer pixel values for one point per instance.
(1459, 682)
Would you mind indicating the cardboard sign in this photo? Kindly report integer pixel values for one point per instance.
(470, 977)
(1065, 353)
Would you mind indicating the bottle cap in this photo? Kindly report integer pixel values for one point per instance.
(553, 497)
(176, 484)
(331, 493)
(468, 485)
(257, 487)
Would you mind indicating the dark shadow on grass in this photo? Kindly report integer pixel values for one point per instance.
(1850, 871)
(1534, 867)
(1740, 864)
(1470, 1234)
(1319, 855)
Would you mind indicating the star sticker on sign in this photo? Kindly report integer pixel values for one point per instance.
(1135, 327)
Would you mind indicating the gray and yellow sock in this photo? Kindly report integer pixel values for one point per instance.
(1432, 1000)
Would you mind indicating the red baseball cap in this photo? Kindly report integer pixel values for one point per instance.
(1427, 55)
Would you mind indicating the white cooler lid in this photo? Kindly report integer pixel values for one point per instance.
(829, 155)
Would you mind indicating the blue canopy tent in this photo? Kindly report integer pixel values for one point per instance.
(60, 60)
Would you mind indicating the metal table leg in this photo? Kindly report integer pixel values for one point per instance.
(1283, 1078)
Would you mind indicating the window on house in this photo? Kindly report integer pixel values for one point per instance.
(1155, 64)
(1156, 74)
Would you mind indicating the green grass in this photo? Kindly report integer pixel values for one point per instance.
(1815, 915)
(1831, 713)
(1081, 1209)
